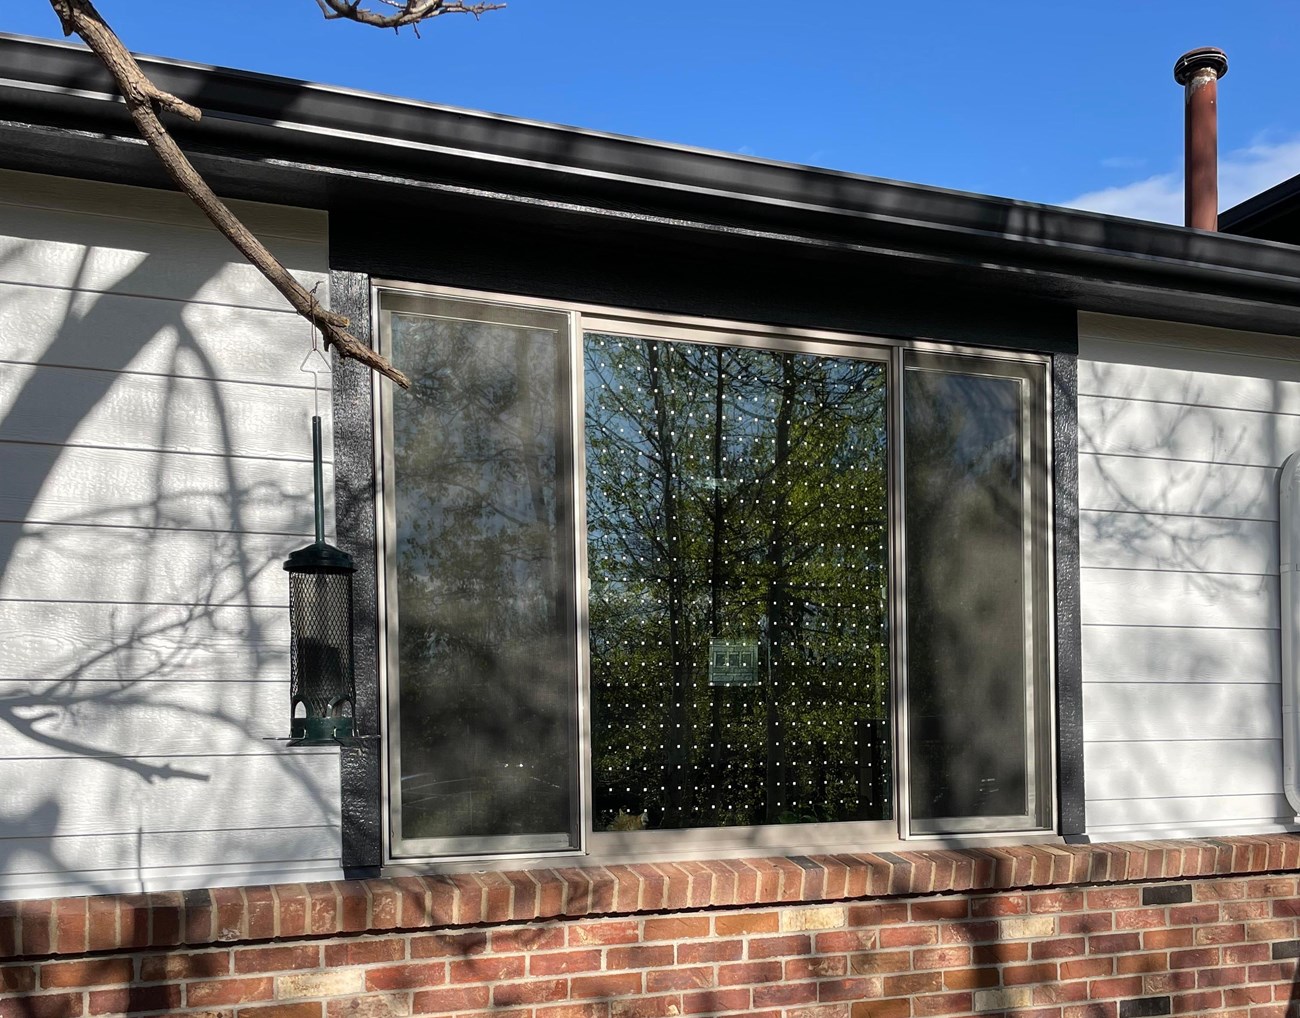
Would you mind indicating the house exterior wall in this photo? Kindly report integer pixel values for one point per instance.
(1182, 432)
(155, 457)
(1115, 931)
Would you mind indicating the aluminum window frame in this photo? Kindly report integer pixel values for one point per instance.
(415, 855)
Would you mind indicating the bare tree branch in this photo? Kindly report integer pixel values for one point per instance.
(405, 12)
(144, 100)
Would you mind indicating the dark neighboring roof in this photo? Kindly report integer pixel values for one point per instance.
(1270, 215)
(280, 140)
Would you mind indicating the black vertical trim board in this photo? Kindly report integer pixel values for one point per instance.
(1069, 668)
(354, 508)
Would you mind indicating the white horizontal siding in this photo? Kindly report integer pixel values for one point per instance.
(1182, 431)
(155, 450)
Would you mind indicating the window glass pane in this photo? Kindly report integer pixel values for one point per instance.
(485, 634)
(736, 527)
(969, 669)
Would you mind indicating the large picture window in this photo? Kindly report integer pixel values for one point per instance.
(651, 586)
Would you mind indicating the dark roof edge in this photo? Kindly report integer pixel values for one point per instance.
(1256, 211)
(271, 119)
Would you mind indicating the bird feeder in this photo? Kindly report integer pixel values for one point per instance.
(322, 689)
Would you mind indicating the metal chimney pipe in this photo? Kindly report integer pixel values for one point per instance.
(1199, 71)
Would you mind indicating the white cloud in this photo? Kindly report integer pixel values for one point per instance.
(1242, 173)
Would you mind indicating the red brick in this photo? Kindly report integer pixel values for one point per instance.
(1127, 986)
(303, 1010)
(882, 1009)
(42, 1005)
(17, 978)
(750, 972)
(781, 994)
(570, 1011)
(746, 922)
(1087, 968)
(1193, 915)
(1113, 943)
(1016, 975)
(940, 908)
(999, 905)
(839, 989)
(1086, 922)
(457, 998)
(406, 977)
(1128, 964)
(646, 1007)
(942, 1003)
(448, 945)
(677, 928)
(277, 959)
(715, 1000)
(908, 936)
(533, 991)
(876, 962)
(716, 950)
(96, 972)
(968, 933)
(490, 968)
(1056, 901)
(1278, 929)
(372, 1005)
(584, 933)
(1226, 933)
(1060, 993)
(291, 905)
(775, 947)
(1093, 1009)
(1156, 939)
(877, 914)
(129, 999)
(36, 919)
(156, 967)
(364, 952)
(605, 984)
(1062, 947)
(1205, 1000)
(1218, 890)
(228, 991)
(816, 967)
(563, 961)
(970, 979)
(1246, 954)
(70, 925)
(941, 957)
(913, 983)
(1114, 897)
(643, 956)
(1140, 919)
(1155, 983)
(1000, 953)
(693, 977)
(1243, 995)
(1233, 910)
(1194, 959)
(1222, 976)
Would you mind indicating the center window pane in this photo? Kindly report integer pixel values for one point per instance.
(737, 555)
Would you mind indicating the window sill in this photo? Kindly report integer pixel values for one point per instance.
(165, 919)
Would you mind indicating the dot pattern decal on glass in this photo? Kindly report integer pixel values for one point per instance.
(737, 554)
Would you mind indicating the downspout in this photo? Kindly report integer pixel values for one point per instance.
(1289, 577)
(1199, 71)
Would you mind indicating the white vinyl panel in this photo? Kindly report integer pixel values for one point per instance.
(1098, 331)
(1170, 375)
(122, 564)
(1176, 655)
(129, 487)
(68, 194)
(70, 646)
(1193, 488)
(147, 861)
(1173, 431)
(1131, 540)
(105, 254)
(112, 332)
(1128, 813)
(99, 408)
(43, 720)
(1150, 770)
(1159, 712)
(1131, 597)
(77, 796)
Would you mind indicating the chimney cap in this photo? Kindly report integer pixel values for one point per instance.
(1193, 60)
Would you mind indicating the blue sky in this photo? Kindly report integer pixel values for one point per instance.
(1045, 101)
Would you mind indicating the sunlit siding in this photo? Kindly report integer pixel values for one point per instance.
(154, 472)
(1182, 431)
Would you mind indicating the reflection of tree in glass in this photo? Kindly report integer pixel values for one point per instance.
(484, 645)
(736, 494)
(965, 601)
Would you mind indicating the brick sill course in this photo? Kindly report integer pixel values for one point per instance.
(68, 926)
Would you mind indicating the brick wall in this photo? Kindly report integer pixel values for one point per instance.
(1156, 928)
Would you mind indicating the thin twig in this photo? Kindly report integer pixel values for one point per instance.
(143, 101)
(406, 12)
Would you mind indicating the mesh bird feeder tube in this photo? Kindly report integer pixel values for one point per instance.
(322, 687)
